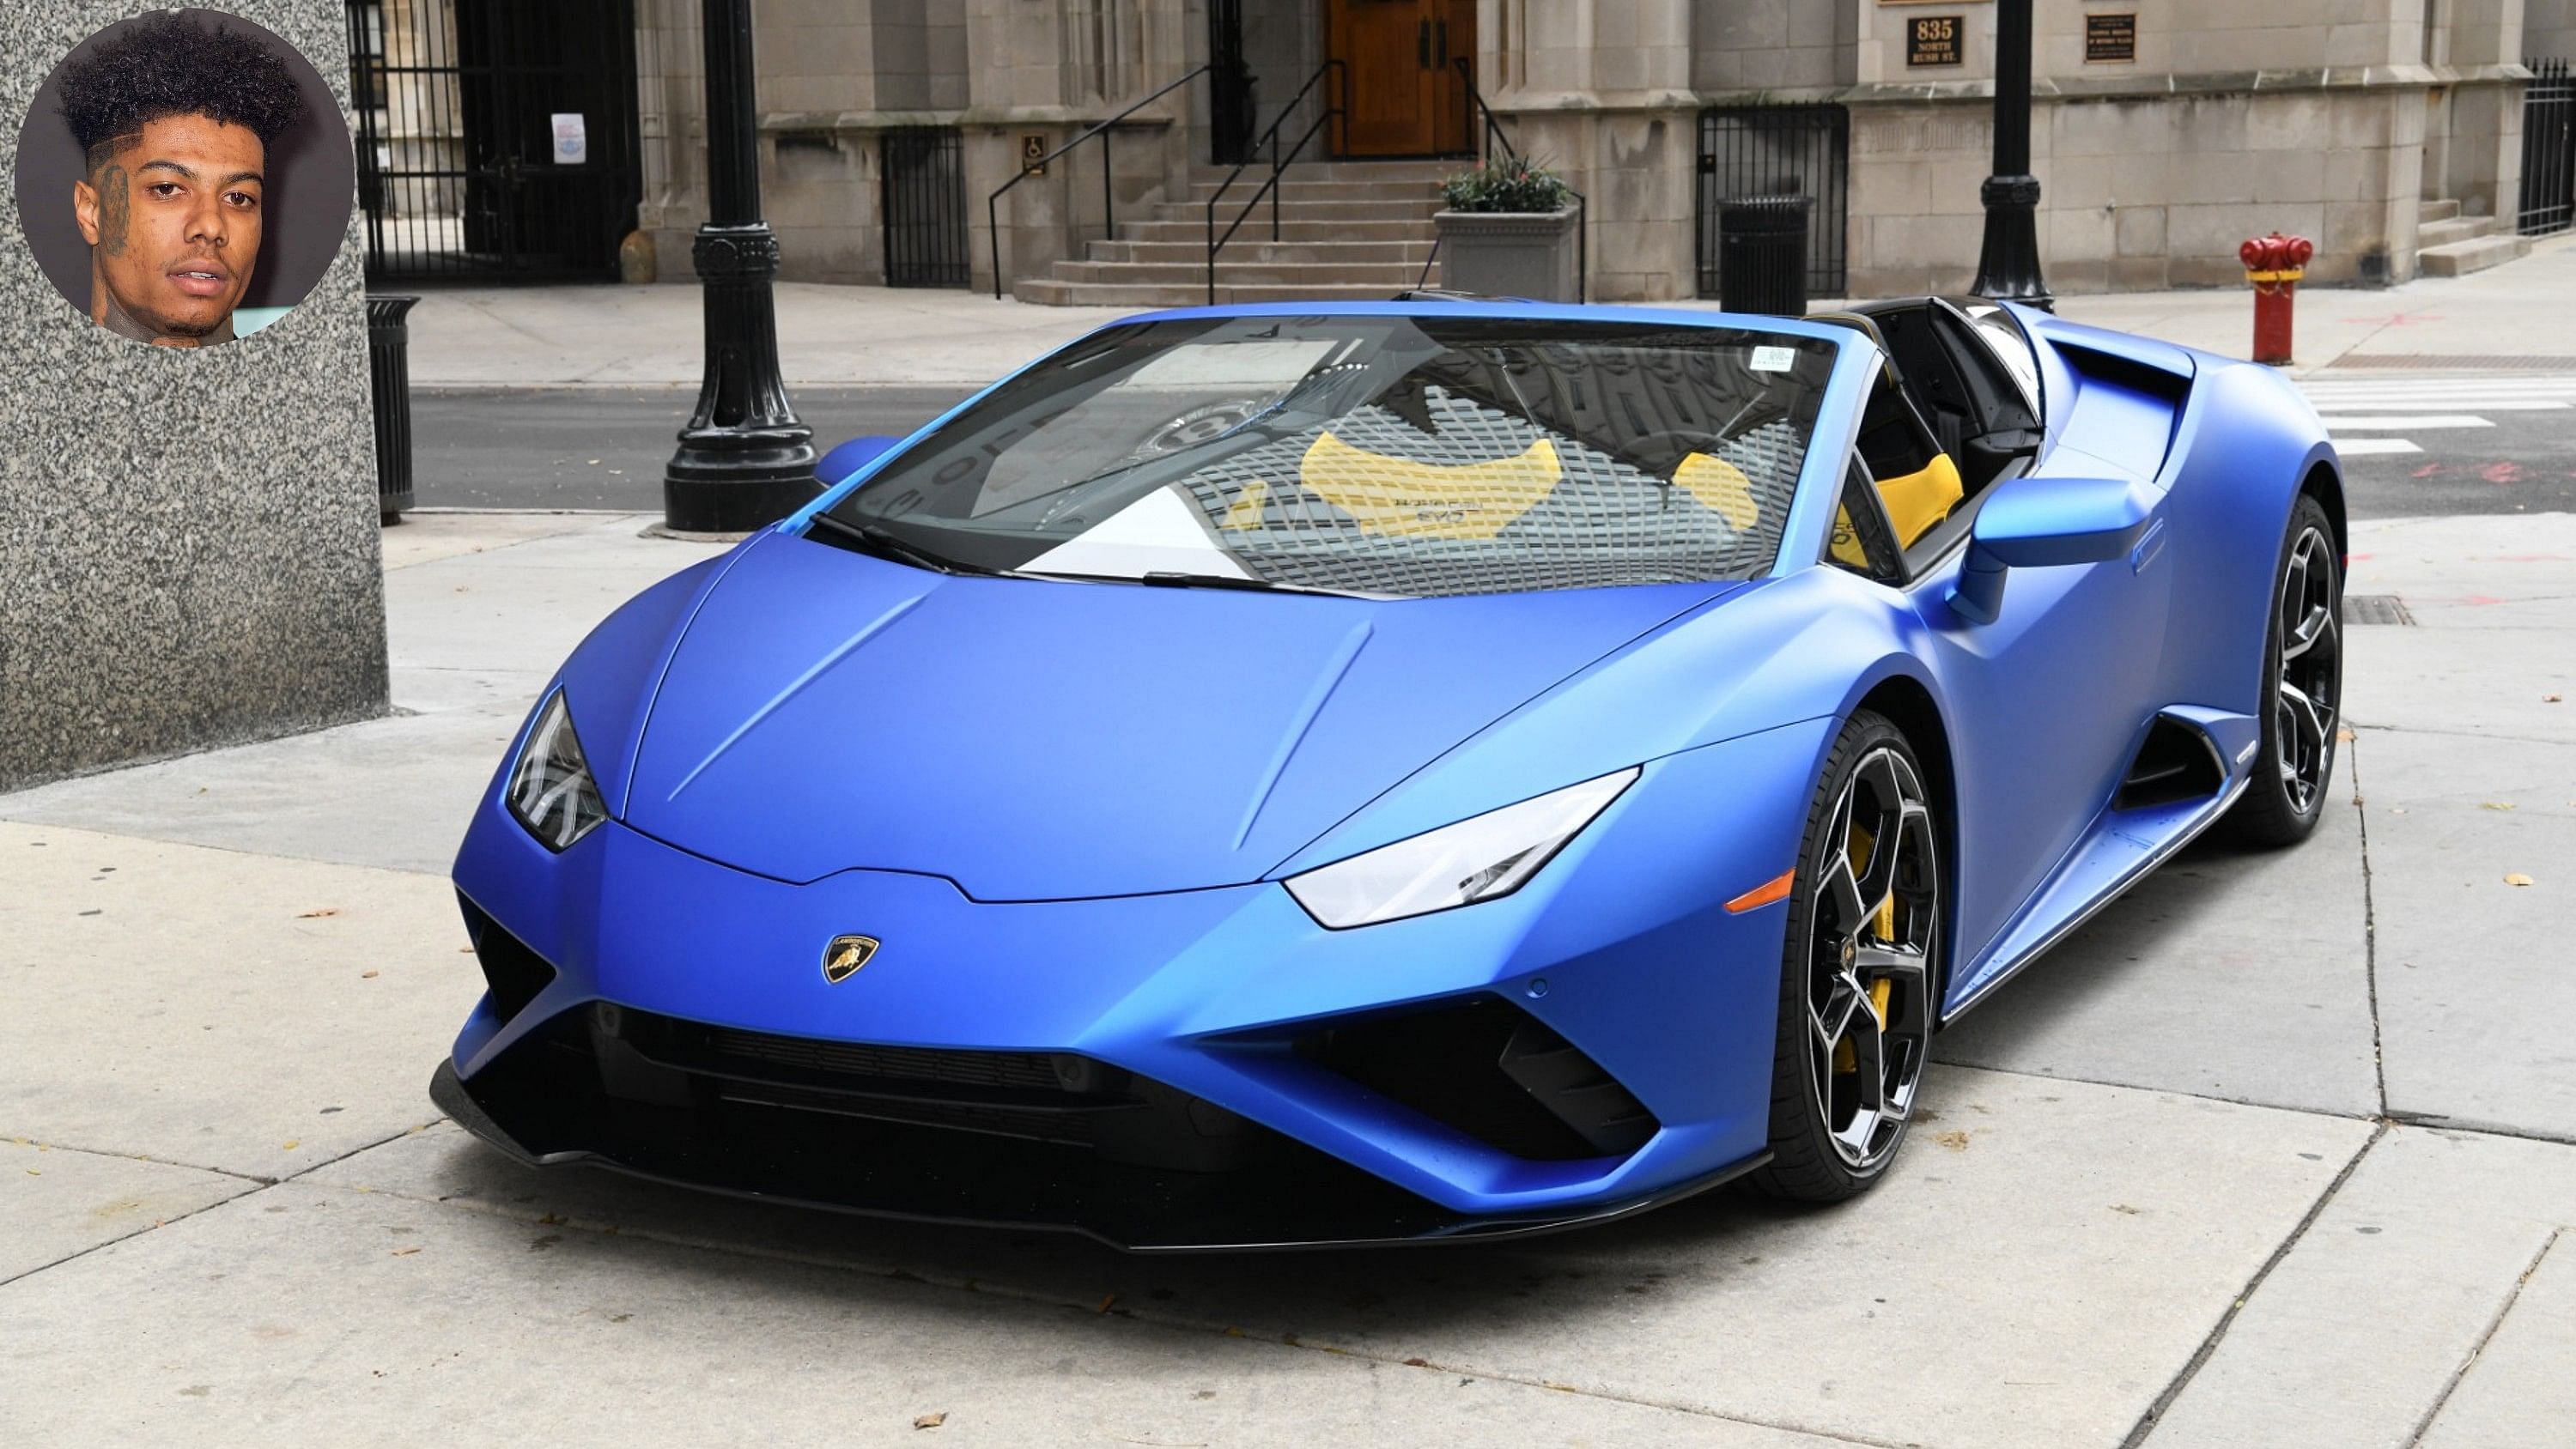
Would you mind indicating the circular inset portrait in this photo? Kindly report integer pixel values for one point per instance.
(184, 177)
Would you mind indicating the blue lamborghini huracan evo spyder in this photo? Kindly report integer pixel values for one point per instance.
(1294, 774)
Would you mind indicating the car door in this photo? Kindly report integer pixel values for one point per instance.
(2046, 703)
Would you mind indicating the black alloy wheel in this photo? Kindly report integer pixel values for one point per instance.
(2303, 686)
(1860, 971)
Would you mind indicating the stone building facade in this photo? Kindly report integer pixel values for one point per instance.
(2164, 131)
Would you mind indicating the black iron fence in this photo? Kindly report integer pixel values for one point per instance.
(924, 206)
(496, 140)
(2548, 150)
(1784, 150)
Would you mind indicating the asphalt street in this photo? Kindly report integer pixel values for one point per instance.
(604, 447)
(2431, 445)
(2413, 446)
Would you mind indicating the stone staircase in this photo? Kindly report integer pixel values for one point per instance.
(2448, 244)
(1348, 231)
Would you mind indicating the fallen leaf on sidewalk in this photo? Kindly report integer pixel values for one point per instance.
(363, 975)
(1954, 1140)
(1105, 1302)
(930, 1421)
(405, 1252)
(291, 1144)
(2346, 736)
(317, 912)
(2549, 699)
(2495, 804)
(2517, 878)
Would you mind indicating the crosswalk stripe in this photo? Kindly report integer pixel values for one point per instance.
(2453, 382)
(2437, 399)
(2500, 387)
(2360, 412)
(2438, 384)
(2528, 390)
(2484, 405)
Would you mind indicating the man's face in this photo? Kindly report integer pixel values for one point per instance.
(172, 215)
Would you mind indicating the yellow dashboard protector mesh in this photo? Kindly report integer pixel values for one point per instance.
(1245, 511)
(1401, 498)
(1721, 488)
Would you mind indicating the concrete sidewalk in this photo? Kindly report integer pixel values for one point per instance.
(2276, 1151)
(650, 336)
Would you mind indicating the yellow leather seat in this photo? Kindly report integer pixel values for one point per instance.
(1916, 503)
(1921, 499)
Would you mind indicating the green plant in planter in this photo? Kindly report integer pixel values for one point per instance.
(1510, 184)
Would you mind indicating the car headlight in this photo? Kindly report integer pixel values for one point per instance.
(1474, 860)
(551, 791)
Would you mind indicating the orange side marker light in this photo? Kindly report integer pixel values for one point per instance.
(1774, 889)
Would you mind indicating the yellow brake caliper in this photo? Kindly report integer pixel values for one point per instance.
(1845, 1058)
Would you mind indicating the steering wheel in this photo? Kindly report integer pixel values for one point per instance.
(1204, 423)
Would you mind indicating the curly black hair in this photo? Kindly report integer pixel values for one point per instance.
(171, 64)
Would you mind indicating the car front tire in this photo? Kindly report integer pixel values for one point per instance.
(1859, 971)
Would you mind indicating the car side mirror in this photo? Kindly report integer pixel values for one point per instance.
(2035, 522)
(838, 464)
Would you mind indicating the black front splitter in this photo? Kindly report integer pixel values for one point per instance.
(1306, 1201)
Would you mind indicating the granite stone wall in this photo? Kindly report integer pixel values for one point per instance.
(188, 540)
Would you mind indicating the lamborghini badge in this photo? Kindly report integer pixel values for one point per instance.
(843, 958)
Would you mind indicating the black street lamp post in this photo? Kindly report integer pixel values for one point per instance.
(2008, 264)
(745, 459)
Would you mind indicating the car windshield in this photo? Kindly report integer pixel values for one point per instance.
(1385, 454)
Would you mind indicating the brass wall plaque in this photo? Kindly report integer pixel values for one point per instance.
(2111, 39)
(1932, 40)
(1033, 149)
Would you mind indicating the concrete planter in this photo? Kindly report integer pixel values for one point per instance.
(1510, 253)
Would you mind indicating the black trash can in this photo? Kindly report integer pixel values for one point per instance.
(389, 378)
(1762, 254)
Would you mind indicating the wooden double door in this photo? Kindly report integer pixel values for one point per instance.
(1401, 63)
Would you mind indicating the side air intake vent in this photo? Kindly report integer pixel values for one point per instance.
(1492, 1071)
(514, 973)
(2177, 763)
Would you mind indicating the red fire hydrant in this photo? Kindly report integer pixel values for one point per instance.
(2274, 264)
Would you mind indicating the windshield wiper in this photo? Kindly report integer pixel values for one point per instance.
(881, 541)
(1173, 579)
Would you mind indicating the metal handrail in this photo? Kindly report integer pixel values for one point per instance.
(1338, 111)
(1494, 136)
(1108, 198)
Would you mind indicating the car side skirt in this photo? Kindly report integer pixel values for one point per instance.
(2112, 857)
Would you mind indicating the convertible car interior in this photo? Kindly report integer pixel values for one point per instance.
(1955, 412)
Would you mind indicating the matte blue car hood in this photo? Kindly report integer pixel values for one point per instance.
(1053, 741)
